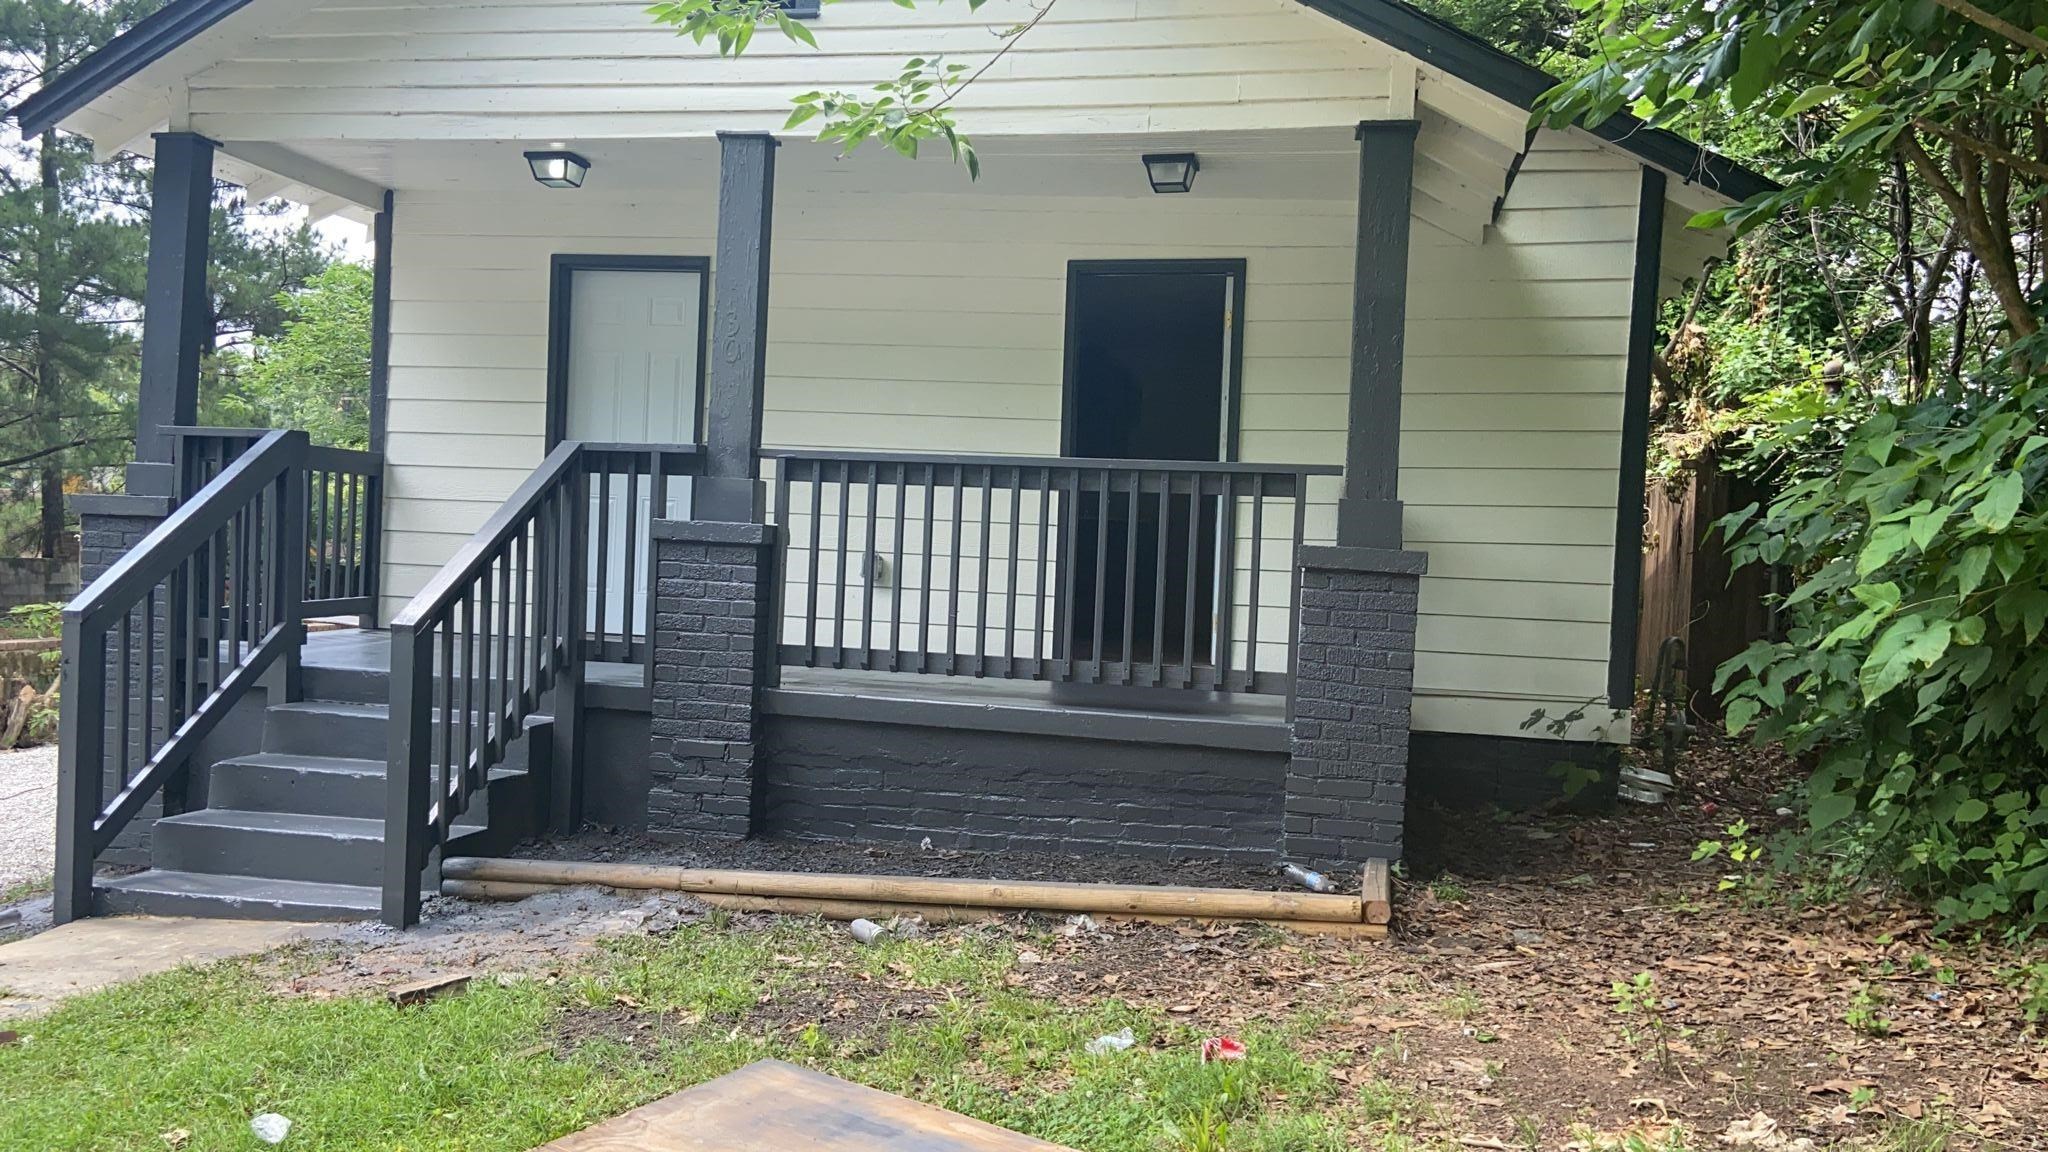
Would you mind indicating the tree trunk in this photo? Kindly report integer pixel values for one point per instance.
(49, 385)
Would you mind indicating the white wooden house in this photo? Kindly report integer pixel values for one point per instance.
(1045, 510)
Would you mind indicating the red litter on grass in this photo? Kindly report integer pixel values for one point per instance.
(1222, 1048)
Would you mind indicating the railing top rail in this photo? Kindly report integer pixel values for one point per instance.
(454, 577)
(195, 430)
(690, 451)
(331, 459)
(945, 459)
(194, 521)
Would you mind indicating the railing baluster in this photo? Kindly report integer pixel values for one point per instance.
(486, 631)
(1070, 559)
(1010, 585)
(839, 642)
(630, 576)
(1039, 621)
(1101, 574)
(988, 495)
(1155, 673)
(1130, 605)
(121, 757)
(868, 566)
(1293, 584)
(924, 583)
(1225, 552)
(602, 589)
(812, 569)
(522, 655)
(1251, 628)
(902, 474)
(1193, 582)
(953, 577)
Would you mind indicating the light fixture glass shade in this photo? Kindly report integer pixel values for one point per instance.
(1172, 172)
(558, 169)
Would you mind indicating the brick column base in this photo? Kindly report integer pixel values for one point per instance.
(714, 641)
(1347, 782)
(108, 526)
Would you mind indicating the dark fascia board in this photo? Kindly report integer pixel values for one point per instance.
(148, 41)
(1495, 72)
(1390, 21)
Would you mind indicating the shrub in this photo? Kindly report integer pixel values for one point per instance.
(1913, 667)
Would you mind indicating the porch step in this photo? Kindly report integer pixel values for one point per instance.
(278, 845)
(163, 892)
(291, 782)
(322, 727)
(349, 685)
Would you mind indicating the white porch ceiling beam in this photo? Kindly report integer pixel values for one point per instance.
(312, 173)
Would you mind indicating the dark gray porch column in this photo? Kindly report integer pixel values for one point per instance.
(380, 326)
(1354, 678)
(1369, 515)
(174, 304)
(731, 488)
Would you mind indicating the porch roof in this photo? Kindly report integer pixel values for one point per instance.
(176, 37)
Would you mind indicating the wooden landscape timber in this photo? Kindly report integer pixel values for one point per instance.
(948, 900)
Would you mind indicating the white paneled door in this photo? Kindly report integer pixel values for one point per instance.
(635, 349)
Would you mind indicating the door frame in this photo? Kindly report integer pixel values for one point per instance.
(1233, 383)
(562, 267)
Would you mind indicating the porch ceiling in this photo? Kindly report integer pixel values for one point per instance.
(1458, 176)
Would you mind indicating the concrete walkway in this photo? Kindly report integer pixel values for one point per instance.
(41, 971)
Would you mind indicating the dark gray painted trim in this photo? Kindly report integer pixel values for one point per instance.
(1396, 24)
(1074, 723)
(1507, 187)
(1623, 618)
(1496, 72)
(118, 504)
(1369, 515)
(712, 531)
(617, 697)
(149, 40)
(562, 269)
(1077, 270)
(1398, 561)
(176, 312)
(380, 327)
(739, 350)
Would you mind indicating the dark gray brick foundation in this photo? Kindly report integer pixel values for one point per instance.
(991, 790)
(1347, 781)
(713, 639)
(108, 527)
(1461, 770)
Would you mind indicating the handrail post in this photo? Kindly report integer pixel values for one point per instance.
(81, 738)
(294, 540)
(566, 785)
(408, 775)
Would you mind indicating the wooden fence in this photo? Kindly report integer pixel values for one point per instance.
(1689, 589)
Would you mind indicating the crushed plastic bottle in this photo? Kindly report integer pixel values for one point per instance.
(1117, 1041)
(270, 1127)
(1308, 878)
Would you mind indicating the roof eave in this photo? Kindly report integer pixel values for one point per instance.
(149, 40)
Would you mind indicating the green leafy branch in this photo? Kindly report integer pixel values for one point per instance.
(903, 112)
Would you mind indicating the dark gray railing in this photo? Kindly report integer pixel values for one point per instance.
(516, 614)
(163, 644)
(1145, 573)
(344, 512)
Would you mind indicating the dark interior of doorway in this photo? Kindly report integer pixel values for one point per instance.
(1148, 378)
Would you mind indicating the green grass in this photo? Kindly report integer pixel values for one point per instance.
(16, 893)
(499, 1067)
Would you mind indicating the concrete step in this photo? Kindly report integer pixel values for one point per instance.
(279, 845)
(354, 685)
(161, 892)
(326, 728)
(292, 782)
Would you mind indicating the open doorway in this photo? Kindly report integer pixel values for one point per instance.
(1153, 360)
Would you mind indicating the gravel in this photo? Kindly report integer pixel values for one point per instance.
(28, 814)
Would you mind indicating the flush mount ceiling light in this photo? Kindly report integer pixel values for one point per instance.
(1172, 172)
(557, 167)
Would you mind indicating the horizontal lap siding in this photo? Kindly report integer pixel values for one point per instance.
(602, 69)
(934, 322)
(1511, 448)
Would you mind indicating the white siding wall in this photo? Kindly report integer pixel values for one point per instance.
(594, 69)
(926, 321)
